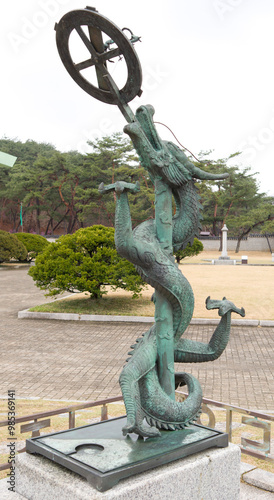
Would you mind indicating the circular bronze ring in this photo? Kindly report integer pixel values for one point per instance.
(74, 20)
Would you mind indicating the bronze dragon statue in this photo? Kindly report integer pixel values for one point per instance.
(143, 394)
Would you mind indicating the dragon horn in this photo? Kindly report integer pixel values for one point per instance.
(193, 169)
(203, 175)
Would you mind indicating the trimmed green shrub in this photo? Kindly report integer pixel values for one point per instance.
(11, 247)
(189, 250)
(85, 261)
(34, 244)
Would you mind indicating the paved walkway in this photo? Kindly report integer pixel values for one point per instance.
(83, 360)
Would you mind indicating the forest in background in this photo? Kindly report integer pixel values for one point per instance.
(58, 192)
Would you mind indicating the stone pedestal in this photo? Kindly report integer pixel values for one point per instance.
(208, 475)
(224, 262)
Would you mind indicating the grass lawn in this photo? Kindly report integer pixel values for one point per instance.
(248, 286)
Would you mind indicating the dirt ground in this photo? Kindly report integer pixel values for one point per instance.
(253, 257)
(248, 286)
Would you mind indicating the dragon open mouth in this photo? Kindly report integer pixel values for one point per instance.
(144, 115)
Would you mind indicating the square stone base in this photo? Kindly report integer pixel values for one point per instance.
(224, 262)
(209, 475)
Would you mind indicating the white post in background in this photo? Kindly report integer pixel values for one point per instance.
(224, 259)
(224, 242)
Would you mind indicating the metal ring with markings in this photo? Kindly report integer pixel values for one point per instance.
(99, 55)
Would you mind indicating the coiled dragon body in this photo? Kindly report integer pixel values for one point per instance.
(139, 381)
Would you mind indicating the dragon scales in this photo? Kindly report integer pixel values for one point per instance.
(147, 387)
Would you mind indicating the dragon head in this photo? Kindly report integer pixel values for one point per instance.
(162, 158)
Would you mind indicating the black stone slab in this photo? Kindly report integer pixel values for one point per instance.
(100, 453)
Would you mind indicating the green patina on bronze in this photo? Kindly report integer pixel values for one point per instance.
(148, 380)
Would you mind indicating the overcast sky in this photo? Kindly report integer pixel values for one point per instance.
(207, 69)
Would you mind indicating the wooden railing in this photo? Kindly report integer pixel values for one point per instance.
(257, 449)
(256, 419)
(39, 421)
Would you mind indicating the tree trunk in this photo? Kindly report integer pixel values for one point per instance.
(238, 243)
(38, 227)
(60, 221)
(267, 239)
(221, 244)
(245, 233)
(48, 224)
(214, 227)
(2, 212)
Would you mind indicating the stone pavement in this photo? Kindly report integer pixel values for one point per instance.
(82, 360)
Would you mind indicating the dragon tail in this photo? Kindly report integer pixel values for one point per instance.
(172, 414)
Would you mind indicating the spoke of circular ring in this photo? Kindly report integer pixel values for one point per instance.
(101, 57)
(87, 43)
(99, 65)
(85, 64)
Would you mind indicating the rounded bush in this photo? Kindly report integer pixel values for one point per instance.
(34, 243)
(189, 250)
(11, 247)
(85, 261)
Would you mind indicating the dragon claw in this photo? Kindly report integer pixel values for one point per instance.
(141, 430)
(224, 306)
(127, 429)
